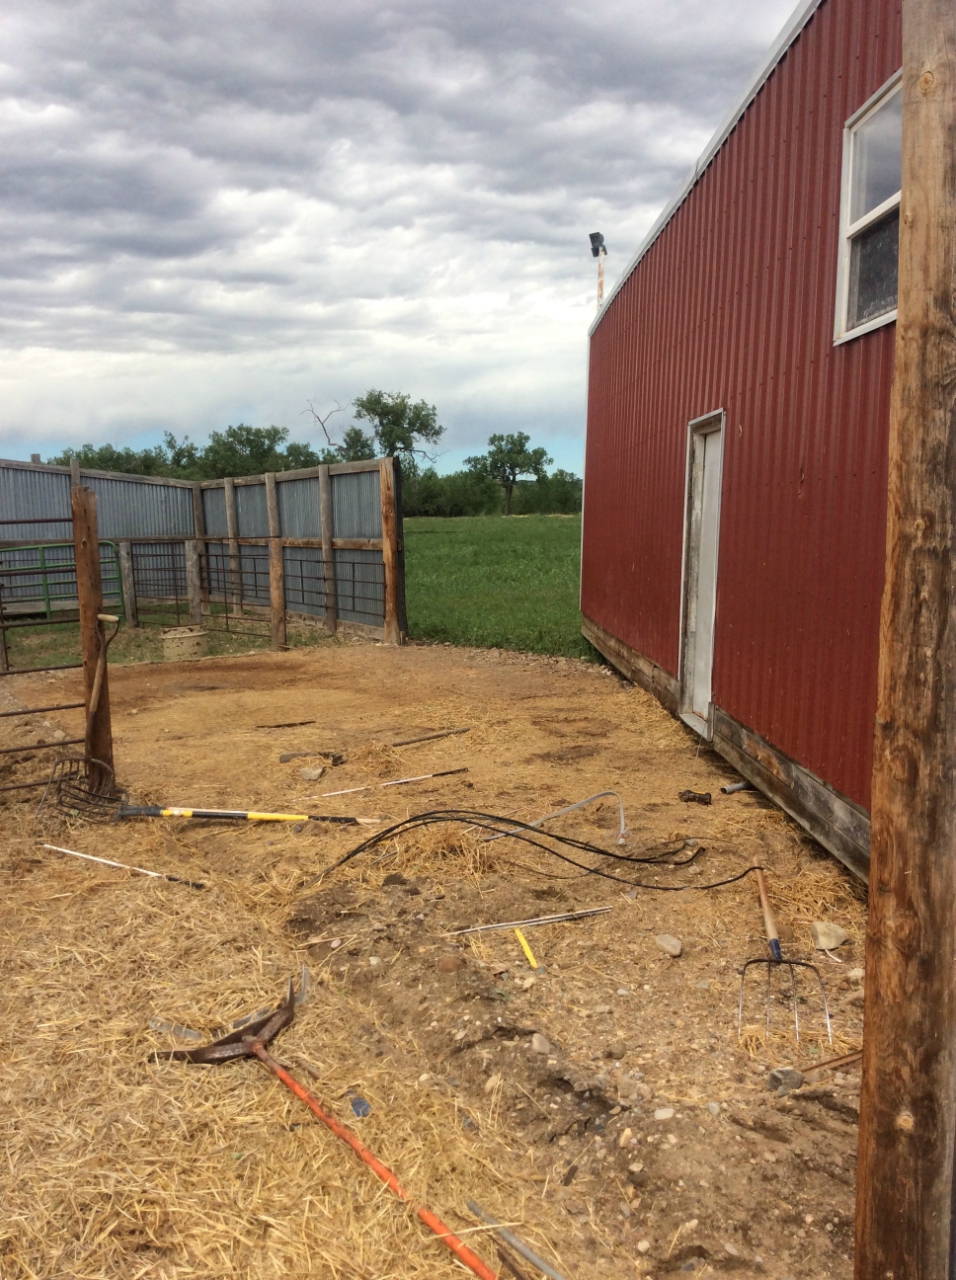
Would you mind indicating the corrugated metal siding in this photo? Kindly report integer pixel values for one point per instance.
(732, 307)
(127, 509)
(214, 512)
(252, 515)
(356, 506)
(300, 509)
(32, 495)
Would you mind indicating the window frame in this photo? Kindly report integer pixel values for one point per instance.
(849, 231)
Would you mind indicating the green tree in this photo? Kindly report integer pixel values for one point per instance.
(399, 426)
(509, 458)
(356, 446)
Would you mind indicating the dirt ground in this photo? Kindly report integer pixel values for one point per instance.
(602, 1105)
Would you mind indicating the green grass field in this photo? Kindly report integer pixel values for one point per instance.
(494, 582)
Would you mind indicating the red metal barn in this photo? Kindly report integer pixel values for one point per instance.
(738, 409)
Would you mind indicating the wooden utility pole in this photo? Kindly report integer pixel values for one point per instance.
(89, 591)
(905, 1174)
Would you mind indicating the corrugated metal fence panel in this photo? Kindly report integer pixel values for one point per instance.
(131, 509)
(252, 515)
(356, 505)
(300, 509)
(304, 581)
(732, 307)
(214, 512)
(32, 495)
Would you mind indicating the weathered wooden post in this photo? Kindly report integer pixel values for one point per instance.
(128, 582)
(232, 535)
(276, 567)
(89, 591)
(392, 630)
(905, 1177)
(328, 550)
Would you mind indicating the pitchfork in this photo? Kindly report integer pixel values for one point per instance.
(776, 961)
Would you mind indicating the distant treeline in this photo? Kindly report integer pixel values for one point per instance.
(485, 486)
(469, 493)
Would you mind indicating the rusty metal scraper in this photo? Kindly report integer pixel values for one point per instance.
(250, 1041)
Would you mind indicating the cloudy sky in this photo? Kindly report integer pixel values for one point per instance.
(213, 212)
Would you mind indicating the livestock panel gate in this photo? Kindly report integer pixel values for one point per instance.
(323, 544)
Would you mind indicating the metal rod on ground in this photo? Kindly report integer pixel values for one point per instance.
(108, 862)
(732, 788)
(511, 1239)
(89, 590)
(429, 737)
(558, 813)
(905, 1174)
(431, 1220)
(398, 782)
(526, 924)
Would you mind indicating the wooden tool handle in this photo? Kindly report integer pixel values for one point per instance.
(769, 924)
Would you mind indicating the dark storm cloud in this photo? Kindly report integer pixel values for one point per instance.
(216, 177)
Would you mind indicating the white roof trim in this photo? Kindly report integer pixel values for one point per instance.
(798, 21)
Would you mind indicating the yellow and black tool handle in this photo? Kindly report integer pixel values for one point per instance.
(773, 937)
(155, 811)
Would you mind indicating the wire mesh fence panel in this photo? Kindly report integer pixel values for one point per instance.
(304, 573)
(230, 583)
(38, 593)
(360, 587)
(159, 580)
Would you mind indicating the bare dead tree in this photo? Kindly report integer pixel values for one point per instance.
(323, 422)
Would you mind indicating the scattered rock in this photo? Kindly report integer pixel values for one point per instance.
(855, 975)
(58, 735)
(312, 775)
(713, 1108)
(625, 1137)
(826, 936)
(335, 944)
(664, 1113)
(374, 961)
(528, 983)
(602, 1008)
(616, 1049)
(731, 1249)
(492, 1083)
(783, 1079)
(540, 1043)
(643, 1246)
(450, 964)
(670, 945)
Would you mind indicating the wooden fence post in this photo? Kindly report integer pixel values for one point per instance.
(128, 582)
(89, 591)
(75, 478)
(328, 551)
(392, 629)
(193, 581)
(232, 533)
(199, 525)
(276, 568)
(905, 1171)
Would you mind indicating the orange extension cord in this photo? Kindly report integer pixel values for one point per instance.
(431, 1220)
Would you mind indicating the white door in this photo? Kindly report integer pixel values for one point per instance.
(700, 571)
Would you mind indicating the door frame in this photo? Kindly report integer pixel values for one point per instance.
(707, 424)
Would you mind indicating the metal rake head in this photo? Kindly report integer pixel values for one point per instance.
(791, 965)
(81, 788)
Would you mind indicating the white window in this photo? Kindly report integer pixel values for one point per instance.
(870, 214)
